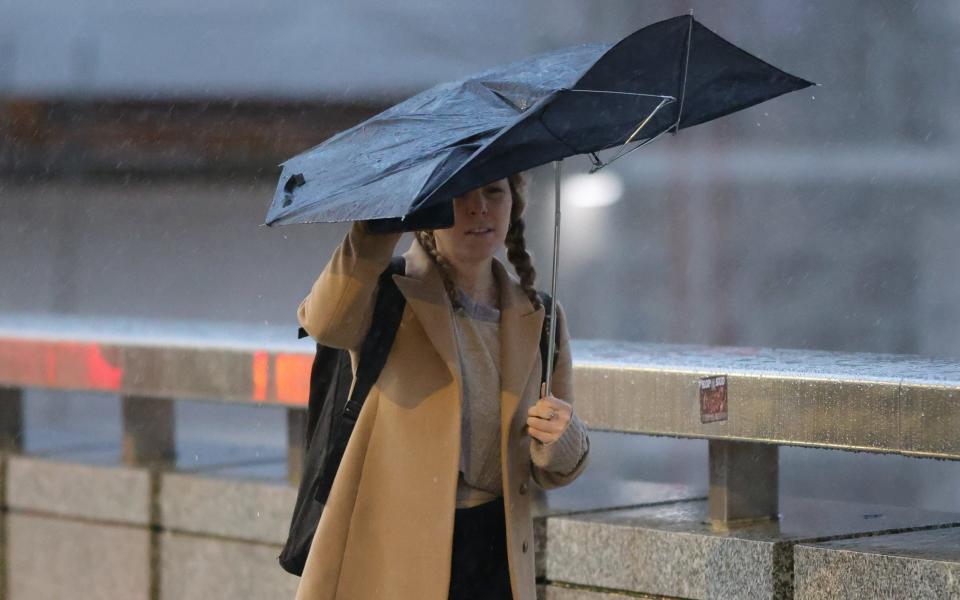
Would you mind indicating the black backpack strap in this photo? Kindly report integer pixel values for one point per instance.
(397, 266)
(387, 313)
(545, 336)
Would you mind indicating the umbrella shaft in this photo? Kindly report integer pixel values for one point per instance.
(553, 284)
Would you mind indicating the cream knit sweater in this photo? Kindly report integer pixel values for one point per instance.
(478, 339)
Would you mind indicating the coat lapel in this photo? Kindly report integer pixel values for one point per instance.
(520, 327)
(423, 289)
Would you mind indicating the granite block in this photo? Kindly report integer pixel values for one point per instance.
(555, 592)
(52, 557)
(598, 493)
(917, 564)
(114, 494)
(3, 478)
(586, 551)
(199, 568)
(243, 510)
(3, 523)
(673, 550)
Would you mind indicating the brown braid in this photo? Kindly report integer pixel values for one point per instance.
(429, 243)
(515, 243)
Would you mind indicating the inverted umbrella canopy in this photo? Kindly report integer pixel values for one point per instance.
(405, 165)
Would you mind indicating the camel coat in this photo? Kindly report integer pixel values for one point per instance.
(386, 531)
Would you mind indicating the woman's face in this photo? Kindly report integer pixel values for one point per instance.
(481, 219)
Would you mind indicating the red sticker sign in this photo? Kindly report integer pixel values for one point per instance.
(713, 399)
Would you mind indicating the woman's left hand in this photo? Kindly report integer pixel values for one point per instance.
(539, 423)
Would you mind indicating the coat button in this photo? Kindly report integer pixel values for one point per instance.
(523, 488)
(524, 546)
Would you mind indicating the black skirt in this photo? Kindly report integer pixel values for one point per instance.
(480, 570)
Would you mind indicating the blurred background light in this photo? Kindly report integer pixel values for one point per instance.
(595, 190)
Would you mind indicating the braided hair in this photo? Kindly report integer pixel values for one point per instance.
(515, 243)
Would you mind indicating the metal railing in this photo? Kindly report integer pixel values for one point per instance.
(745, 401)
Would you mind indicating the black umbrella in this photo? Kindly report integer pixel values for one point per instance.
(454, 137)
(404, 166)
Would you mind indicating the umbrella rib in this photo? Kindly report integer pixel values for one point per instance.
(662, 96)
(599, 164)
(686, 65)
(644, 122)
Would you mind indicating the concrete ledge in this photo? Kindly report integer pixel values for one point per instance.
(673, 551)
(920, 564)
(591, 492)
(243, 510)
(52, 557)
(114, 494)
(198, 568)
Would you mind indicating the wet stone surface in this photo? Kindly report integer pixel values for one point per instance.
(672, 550)
(919, 564)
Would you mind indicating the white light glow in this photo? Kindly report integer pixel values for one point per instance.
(592, 190)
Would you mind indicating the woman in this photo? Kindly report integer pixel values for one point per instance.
(432, 497)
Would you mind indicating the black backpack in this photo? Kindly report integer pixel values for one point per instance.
(331, 414)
